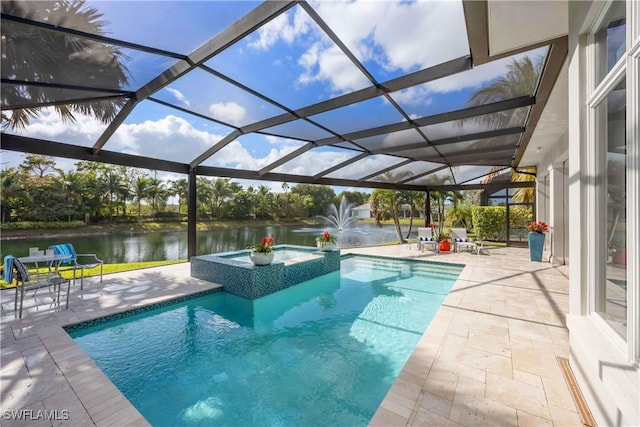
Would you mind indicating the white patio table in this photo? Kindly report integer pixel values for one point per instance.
(50, 279)
(52, 260)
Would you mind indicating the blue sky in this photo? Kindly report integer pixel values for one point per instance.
(289, 60)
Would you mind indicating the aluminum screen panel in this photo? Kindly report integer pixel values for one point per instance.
(394, 38)
(160, 132)
(363, 115)
(292, 61)
(344, 91)
(253, 152)
(299, 129)
(210, 96)
(455, 92)
(365, 167)
(316, 160)
(405, 172)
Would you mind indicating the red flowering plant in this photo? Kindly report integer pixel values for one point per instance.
(264, 247)
(326, 237)
(538, 227)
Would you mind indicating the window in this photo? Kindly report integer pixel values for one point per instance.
(610, 40)
(612, 141)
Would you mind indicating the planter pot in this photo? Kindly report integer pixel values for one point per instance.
(326, 246)
(619, 257)
(261, 258)
(536, 246)
(444, 246)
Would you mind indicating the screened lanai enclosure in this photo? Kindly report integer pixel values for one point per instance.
(387, 94)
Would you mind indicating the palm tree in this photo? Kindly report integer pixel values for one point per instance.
(415, 199)
(524, 195)
(140, 191)
(387, 201)
(263, 201)
(220, 191)
(113, 184)
(29, 54)
(521, 79)
(179, 188)
(74, 188)
(156, 194)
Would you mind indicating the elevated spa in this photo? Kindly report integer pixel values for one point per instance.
(291, 265)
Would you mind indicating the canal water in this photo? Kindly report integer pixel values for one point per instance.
(119, 248)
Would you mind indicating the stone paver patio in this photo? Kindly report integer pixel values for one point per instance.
(488, 357)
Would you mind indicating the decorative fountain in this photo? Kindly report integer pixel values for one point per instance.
(340, 217)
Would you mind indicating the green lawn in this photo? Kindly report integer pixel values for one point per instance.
(108, 268)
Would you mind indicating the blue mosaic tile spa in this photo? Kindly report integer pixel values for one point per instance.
(292, 265)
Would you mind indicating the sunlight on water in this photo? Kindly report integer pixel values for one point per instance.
(324, 352)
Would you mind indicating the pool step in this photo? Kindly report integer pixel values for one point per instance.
(420, 269)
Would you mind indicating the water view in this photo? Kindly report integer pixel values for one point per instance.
(119, 248)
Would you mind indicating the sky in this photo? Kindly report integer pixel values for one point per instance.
(289, 60)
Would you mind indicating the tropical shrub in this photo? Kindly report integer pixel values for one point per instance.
(489, 222)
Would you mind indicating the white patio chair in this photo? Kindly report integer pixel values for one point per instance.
(461, 241)
(73, 263)
(426, 239)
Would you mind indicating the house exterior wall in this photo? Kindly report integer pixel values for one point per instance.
(550, 196)
(362, 211)
(605, 358)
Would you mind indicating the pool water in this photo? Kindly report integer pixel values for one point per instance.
(321, 353)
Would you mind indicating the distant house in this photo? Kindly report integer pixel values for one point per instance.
(362, 211)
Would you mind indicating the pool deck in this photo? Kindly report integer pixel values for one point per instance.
(488, 358)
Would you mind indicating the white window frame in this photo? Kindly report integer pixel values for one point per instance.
(628, 66)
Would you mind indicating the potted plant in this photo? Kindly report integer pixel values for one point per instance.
(619, 254)
(444, 240)
(536, 239)
(325, 241)
(262, 254)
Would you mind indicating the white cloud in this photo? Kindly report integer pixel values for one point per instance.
(239, 155)
(414, 96)
(171, 138)
(284, 27)
(398, 35)
(365, 167)
(283, 141)
(229, 112)
(314, 161)
(84, 131)
(331, 65)
(179, 96)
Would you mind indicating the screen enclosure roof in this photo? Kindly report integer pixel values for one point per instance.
(382, 94)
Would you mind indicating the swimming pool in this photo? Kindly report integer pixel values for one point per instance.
(323, 352)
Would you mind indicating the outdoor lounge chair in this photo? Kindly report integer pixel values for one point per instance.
(426, 239)
(73, 264)
(25, 283)
(460, 240)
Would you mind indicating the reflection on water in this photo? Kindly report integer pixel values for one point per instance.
(173, 245)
